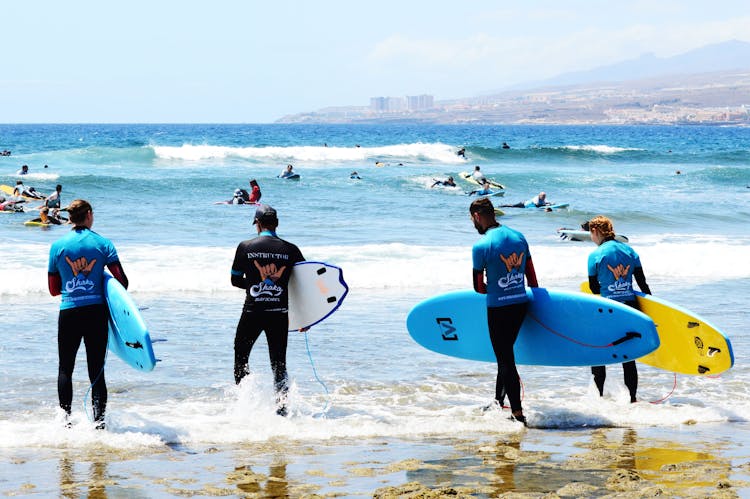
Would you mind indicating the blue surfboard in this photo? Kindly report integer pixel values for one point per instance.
(561, 328)
(128, 336)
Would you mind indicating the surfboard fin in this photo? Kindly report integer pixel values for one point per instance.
(628, 336)
(137, 344)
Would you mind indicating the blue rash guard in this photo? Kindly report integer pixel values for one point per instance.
(502, 253)
(80, 257)
(613, 264)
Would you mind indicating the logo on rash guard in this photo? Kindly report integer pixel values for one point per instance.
(619, 272)
(265, 288)
(512, 264)
(81, 268)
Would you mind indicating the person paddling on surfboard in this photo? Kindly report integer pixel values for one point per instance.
(611, 269)
(502, 255)
(262, 266)
(538, 201)
(289, 172)
(76, 271)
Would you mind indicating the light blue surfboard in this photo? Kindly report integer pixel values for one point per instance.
(561, 328)
(316, 290)
(128, 336)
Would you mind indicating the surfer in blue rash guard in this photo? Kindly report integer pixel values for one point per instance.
(76, 271)
(262, 266)
(502, 254)
(611, 269)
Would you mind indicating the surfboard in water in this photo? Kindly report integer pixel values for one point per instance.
(561, 329)
(688, 343)
(316, 290)
(128, 336)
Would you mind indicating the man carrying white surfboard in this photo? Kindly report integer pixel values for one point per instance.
(262, 266)
(502, 255)
(76, 270)
(611, 269)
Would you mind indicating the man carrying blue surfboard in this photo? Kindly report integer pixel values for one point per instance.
(262, 266)
(502, 255)
(611, 269)
(76, 270)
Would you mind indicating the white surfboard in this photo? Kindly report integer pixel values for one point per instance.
(316, 290)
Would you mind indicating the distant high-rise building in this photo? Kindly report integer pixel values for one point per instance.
(388, 104)
(419, 102)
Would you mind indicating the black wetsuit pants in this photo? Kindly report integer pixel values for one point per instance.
(630, 372)
(275, 325)
(504, 324)
(90, 325)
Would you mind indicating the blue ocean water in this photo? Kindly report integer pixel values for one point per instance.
(681, 194)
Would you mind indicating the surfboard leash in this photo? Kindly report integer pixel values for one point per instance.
(674, 385)
(315, 373)
(86, 395)
(628, 336)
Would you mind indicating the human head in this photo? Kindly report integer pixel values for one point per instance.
(602, 226)
(450, 179)
(542, 196)
(43, 214)
(58, 188)
(265, 217)
(289, 168)
(78, 211)
(482, 214)
(476, 168)
(253, 182)
(25, 168)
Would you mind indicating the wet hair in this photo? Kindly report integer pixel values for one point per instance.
(603, 225)
(78, 210)
(482, 206)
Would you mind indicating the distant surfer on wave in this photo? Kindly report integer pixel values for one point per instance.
(611, 269)
(502, 255)
(76, 271)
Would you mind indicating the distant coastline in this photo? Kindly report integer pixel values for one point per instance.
(716, 98)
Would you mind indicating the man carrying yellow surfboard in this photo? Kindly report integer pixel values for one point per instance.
(611, 269)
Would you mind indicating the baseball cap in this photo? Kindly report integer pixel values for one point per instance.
(265, 214)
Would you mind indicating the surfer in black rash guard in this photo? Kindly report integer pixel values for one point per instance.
(262, 266)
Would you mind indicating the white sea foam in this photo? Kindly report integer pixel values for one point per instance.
(205, 270)
(389, 155)
(600, 148)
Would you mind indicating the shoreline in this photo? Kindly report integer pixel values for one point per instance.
(625, 462)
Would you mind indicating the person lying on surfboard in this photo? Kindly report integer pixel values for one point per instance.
(538, 201)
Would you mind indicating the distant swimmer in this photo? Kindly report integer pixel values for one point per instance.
(21, 190)
(289, 172)
(379, 163)
(355, 176)
(677, 172)
(23, 171)
(478, 175)
(449, 182)
(53, 200)
(11, 205)
(5, 152)
(505, 145)
(538, 201)
(484, 191)
(255, 193)
(461, 152)
(46, 218)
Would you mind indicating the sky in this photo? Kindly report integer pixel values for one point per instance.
(253, 61)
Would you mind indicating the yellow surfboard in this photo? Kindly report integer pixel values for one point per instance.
(689, 344)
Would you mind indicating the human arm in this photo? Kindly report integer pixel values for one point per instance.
(54, 283)
(640, 278)
(478, 279)
(594, 285)
(531, 273)
(118, 273)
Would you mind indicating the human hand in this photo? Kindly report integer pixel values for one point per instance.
(80, 265)
(269, 270)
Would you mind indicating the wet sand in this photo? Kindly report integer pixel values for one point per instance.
(685, 461)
